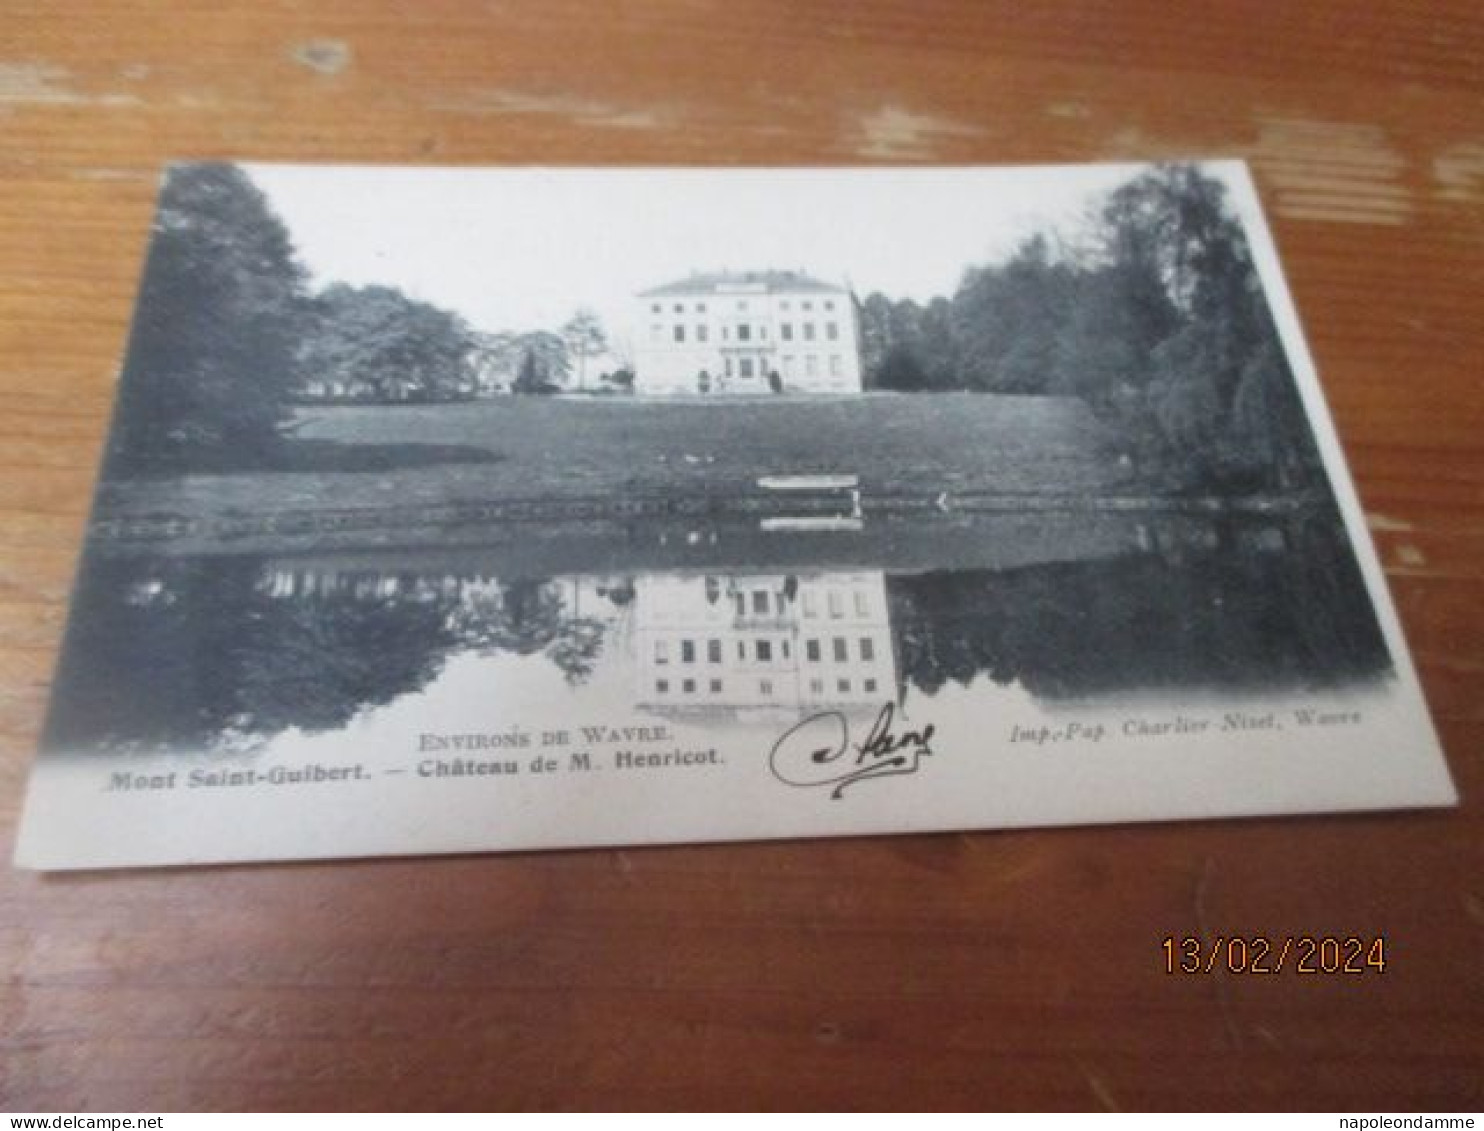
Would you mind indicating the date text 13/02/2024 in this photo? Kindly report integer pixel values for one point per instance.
(1264, 954)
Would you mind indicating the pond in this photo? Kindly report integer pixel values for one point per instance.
(722, 620)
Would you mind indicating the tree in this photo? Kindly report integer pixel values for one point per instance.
(900, 370)
(1007, 321)
(1214, 387)
(392, 347)
(584, 338)
(212, 363)
(544, 363)
(496, 360)
(908, 347)
(874, 318)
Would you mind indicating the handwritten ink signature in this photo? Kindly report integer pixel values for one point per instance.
(818, 751)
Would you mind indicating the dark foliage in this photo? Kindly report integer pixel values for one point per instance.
(1159, 322)
(212, 357)
(1224, 607)
(376, 344)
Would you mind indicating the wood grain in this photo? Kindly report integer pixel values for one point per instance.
(1009, 969)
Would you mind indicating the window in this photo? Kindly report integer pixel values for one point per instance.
(868, 648)
(687, 651)
(680, 308)
(700, 308)
(811, 651)
(862, 605)
(842, 649)
(725, 333)
(716, 687)
(727, 365)
(829, 304)
(844, 686)
(744, 366)
(787, 330)
(713, 651)
(765, 686)
(662, 651)
(741, 650)
(832, 331)
(808, 331)
(837, 605)
(741, 602)
(760, 602)
(764, 650)
(869, 686)
(655, 309)
(744, 332)
(811, 603)
(701, 333)
(816, 686)
(834, 365)
(785, 649)
(662, 687)
(807, 305)
(688, 686)
(679, 332)
(742, 304)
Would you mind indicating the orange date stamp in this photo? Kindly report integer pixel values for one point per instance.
(1338, 955)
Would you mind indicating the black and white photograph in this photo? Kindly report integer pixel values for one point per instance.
(461, 509)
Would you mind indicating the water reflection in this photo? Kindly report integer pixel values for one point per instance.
(745, 644)
(226, 651)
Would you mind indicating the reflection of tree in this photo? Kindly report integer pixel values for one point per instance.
(1248, 607)
(576, 650)
(527, 616)
(315, 664)
(206, 652)
(522, 617)
(185, 652)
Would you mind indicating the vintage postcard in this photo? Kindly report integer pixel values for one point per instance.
(451, 510)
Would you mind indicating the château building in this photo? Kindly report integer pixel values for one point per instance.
(746, 332)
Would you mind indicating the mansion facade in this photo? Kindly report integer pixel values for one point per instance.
(746, 332)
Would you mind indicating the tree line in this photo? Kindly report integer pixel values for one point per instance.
(1155, 317)
(229, 335)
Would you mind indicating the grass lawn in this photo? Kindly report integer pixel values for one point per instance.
(530, 447)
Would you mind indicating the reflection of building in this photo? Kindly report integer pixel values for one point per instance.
(737, 645)
(744, 332)
(287, 579)
(750, 642)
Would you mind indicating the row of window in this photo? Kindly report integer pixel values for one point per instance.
(762, 650)
(680, 331)
(834, 603)
(765, 686)
(700, 307)
(815, 600)
(756, 367)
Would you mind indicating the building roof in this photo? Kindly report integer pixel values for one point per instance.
(743, 282)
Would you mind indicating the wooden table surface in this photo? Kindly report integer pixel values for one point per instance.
(996, 969)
